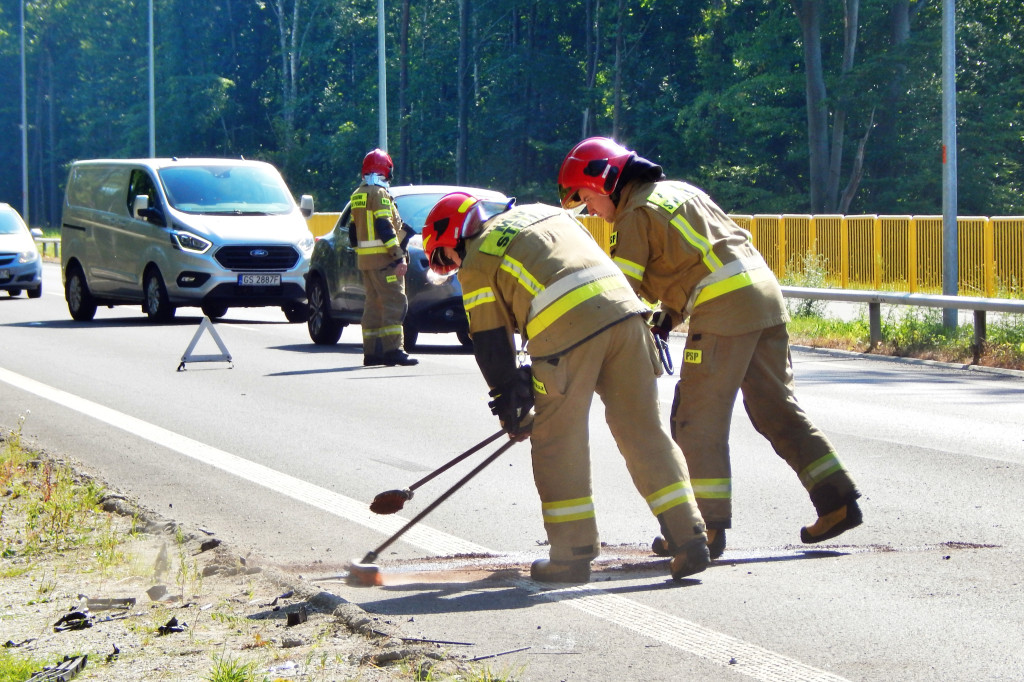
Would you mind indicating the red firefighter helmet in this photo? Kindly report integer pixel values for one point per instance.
(596, 164)
(378, 162)
(451, 220)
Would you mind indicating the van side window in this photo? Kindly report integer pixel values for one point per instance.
(141, 184)
(101, 188)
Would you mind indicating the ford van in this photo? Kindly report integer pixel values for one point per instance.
(169, 233)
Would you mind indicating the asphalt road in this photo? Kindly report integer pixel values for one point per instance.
(282, 449)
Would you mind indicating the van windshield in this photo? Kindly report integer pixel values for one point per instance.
(226, 190)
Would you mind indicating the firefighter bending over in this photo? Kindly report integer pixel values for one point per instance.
(676, 246)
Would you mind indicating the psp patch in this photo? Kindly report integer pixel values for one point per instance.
(693, 357)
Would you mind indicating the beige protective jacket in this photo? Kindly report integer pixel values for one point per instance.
(536, 270)
(675, 245)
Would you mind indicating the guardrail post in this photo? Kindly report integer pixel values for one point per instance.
(875, 323)
(980, 333)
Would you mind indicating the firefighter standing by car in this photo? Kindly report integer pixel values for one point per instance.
(536, 271)
(378, 236)
(676, 246)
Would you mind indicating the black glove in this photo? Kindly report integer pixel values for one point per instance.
(512, 403)
(661, 324)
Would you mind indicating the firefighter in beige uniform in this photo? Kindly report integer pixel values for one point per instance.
(377, 236)
(678, 247)
(535, 270)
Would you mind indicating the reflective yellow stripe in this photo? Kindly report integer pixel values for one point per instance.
(697, 241)
(366, 251)
(550, 314)
(381, 332)
(568, 510)
(744, 279)
(522, 275)
(472, 299)
(819, 470)
(630, 269)
(670, 496)
(712, 488)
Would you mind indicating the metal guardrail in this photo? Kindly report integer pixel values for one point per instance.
(49, 244)
(875, 299)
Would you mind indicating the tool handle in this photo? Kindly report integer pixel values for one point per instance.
(445, 467)
(444, 496)
(664, 354)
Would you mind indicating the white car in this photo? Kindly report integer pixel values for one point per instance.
(21, 267)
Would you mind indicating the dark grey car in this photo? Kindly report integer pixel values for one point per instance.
(334, 285)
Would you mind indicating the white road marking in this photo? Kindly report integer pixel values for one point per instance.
(750, 659)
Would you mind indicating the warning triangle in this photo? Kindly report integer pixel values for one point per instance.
(224, 356)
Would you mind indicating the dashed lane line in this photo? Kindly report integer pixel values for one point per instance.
(739, 656)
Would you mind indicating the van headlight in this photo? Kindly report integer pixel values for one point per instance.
(28, 256)
(186, 241)
(306, 245)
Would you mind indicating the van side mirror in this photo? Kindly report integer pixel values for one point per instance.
(36, 233)
(306, 205)
(142, 211)
(140, 204)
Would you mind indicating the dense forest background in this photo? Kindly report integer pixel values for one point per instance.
(772, 106)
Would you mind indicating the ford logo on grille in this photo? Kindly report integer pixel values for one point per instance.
(259, 253)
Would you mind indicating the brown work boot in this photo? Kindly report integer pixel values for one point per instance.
(692, 557)
(833, 523)
(550, 571)
(716, 544)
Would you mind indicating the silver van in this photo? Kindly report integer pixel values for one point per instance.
(168, 233)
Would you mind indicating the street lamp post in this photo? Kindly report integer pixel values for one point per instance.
(950, 258)
(152, 93)
(24, 124)
(382, 80)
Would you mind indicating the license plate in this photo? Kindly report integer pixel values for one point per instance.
(5, 274)
(256, 279)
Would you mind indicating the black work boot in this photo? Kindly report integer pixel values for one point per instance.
(399, 357)
(836, 515)
(550, 571)
(372, 359)
(716, 544)
(692, 557)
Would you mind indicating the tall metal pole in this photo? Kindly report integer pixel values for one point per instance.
(382, 80)
(24, 124)
(950, 259)
(152, 93)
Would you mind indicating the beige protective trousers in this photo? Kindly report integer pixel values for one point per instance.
(384, 311)
(758, 364)
(620, 364)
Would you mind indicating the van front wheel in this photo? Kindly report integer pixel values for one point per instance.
(156, 304)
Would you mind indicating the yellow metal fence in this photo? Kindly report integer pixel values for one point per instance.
(880, 252)
(888, 253)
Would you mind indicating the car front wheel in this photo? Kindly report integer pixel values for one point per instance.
(324, 330)
(214, 310)
(296, 312)
(36, 293)
(409, 336)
